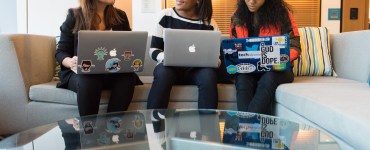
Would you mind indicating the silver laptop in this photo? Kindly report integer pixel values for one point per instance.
(191, 48)
(101, 52)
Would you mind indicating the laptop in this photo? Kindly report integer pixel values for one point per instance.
(258, 131)
(191, 48)
(102, 52)
(256, 54)
(114, 131)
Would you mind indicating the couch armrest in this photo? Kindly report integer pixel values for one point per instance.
(351, 55)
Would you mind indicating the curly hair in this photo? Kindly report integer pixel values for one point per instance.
(272, 12)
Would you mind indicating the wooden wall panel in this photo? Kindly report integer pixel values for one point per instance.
(361, 23)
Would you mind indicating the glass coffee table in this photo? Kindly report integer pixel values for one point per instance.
(176, 129)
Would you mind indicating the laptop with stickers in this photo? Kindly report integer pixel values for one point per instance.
(114, 131)
(191, 48)
(102, 52)
(256, 54)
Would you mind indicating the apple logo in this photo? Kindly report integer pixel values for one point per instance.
(192, 48)
(113, 52)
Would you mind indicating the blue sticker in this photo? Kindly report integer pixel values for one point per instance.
(112, 65)
(231, 69)
(114, 125)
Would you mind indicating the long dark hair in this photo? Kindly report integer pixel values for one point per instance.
(271, 13)
(205, 10)
(88, 19)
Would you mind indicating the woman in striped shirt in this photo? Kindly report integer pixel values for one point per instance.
(192, 15)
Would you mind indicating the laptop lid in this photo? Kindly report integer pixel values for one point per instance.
(191, 48)
(101, 52)
(256, 54)
(114, 131)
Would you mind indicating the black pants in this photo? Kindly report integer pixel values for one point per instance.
(165, 77)
(89, 87)
(256, 92)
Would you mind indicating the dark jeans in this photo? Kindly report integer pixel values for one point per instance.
(89, 87)
(165, 77)
(256, 92)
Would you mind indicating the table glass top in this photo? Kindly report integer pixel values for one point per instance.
(176, 129)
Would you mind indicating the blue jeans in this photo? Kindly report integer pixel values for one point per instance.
(256, 92)
(165, 77)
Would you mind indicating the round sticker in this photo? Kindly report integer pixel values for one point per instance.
(231, 69)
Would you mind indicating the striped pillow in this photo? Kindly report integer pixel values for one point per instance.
(315, 58)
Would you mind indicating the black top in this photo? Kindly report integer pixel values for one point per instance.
(67, 45)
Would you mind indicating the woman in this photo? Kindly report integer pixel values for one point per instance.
(192, 15)
(93, 15)
(256, 92)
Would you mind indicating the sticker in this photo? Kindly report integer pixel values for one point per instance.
(229, 51)
(232, 69)
(238, 46)
(279, 41)
(88, 127)
(138, 123)
(115, 139)
(127, 55)
(137, 64)
(129, 133)
(284, 58)
(280, 67)
(277, 144)
(246, 68)
(270, 54)
(112, 65)
(86, 65)
(114, 125)
(113, 52)
(249, 54)
(239, 136)
(252, 48)
(262, 67)
(230, 131)
(103, 139)
(100, 52)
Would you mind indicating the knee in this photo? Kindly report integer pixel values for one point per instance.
(207, 76)
(207, 73)
(161, 71)
(243, 82)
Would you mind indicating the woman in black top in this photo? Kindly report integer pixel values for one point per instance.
(93, 15)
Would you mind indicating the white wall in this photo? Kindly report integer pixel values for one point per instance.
(144, 14)
(46, 16)
(8, 16)
(332, 25)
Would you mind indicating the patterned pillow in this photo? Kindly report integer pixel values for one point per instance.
(315, 58)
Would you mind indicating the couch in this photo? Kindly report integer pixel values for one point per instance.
(336, 105)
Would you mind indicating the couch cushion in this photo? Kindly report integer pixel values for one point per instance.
(48, 92)
(340, 108)
(321, 79)
(315, 58)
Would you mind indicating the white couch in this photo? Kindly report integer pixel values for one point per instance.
(337, 105)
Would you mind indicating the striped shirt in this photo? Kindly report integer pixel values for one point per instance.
(170, 19)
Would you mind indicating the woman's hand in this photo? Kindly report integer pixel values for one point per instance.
(70, 62)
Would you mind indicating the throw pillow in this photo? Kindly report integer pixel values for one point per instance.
(315, 58)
